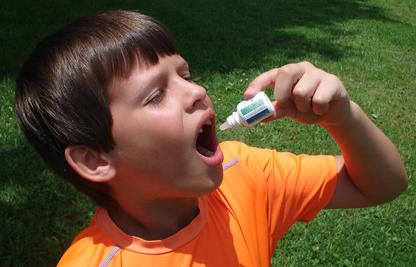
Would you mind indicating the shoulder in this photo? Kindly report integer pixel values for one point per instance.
(238, 149)
(232, 147)
(254, 158)
(89, 248)
(243, 173)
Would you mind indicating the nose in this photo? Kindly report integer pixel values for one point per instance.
(194, 97)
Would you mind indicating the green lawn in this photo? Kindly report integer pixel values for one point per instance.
(370, 45)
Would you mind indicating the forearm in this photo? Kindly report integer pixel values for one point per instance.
(371, 159)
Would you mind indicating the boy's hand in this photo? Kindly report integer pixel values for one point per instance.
(370, 171)
(304, 93)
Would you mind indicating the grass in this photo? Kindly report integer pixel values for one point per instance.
(370, 45)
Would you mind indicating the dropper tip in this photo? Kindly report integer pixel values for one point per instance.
(225, 126)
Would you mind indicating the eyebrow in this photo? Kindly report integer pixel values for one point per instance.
(143, 92)
(184, 64)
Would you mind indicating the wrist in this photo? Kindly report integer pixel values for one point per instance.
(351, 117)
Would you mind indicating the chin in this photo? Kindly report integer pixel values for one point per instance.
(216, 176)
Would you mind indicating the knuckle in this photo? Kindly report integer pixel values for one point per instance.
(252, 84)
(285, 70)
(333, 79)
(288, 70)
(319, 100)
(307, 64)
(299, 92)
(275, 71)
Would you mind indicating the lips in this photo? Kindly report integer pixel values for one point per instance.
(206, 143)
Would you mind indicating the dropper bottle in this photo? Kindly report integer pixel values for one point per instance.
(250, 112)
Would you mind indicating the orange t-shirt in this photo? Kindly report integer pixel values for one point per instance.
(263, 193)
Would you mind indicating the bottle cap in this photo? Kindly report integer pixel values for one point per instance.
(225, 126)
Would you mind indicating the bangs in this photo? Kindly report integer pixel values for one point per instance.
(134, 41)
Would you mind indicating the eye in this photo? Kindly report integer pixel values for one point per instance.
(156, 97)
(190, 78)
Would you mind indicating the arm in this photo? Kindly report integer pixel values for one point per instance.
(370, 169)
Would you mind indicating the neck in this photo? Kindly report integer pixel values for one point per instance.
(157, 219)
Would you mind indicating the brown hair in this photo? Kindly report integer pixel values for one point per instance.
(62, 89)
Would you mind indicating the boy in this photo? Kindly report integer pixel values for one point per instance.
(111, 106)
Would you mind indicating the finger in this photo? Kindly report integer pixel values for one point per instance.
(304, 90)
(279, 113)
(292, 112)
(283, 112)
(289, 111)
(287, 77)
(327, 91)
(261, 82)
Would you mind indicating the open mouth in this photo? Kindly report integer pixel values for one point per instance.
(206, 142)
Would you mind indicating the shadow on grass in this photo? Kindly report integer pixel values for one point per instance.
(213, 35)
(40, 214)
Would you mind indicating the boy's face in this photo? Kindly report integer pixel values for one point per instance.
(158, 114)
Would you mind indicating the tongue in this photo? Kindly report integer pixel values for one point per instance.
(204, 151)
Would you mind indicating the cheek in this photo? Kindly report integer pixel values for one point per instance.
(154, 134)
(166, 127)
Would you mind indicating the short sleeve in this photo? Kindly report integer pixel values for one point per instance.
(297, 186)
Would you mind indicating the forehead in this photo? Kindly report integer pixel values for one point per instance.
(144, 75)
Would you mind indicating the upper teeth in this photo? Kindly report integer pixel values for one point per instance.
(208, 122)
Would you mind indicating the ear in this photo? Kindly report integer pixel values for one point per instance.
(90, 164)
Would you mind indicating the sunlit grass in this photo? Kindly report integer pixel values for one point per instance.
(370, 45)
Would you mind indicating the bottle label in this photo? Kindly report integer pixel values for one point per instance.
(254, 111)
(259, 116)
(252, 107)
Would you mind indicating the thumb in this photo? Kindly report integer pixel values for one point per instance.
(281, 112)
